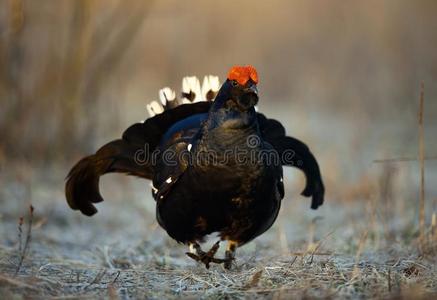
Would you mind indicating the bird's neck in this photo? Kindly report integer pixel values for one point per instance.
(227, 125)
(224, 114)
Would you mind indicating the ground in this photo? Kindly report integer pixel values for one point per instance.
(346, 249)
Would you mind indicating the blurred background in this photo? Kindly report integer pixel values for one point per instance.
(343, 76)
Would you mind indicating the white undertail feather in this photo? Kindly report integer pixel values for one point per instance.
(190, 88)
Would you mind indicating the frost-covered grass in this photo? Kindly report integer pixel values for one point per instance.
(349, 248)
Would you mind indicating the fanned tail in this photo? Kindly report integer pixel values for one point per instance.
(192, 91)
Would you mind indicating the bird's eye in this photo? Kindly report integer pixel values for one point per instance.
(234, 83)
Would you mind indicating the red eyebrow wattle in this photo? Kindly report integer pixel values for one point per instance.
(242, 74)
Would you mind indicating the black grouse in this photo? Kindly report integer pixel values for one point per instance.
(216, 166)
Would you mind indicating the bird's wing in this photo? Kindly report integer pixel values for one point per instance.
(169, 169)
(293, 152)
(130, 155)
(175, 147)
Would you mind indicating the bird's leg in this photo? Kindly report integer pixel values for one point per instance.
(193, 247)
(230, 254)
(196, 251)
(206, 258)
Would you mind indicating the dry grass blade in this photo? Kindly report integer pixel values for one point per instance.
(319, 244)
(311, 233)
(422, 237)
(25, 248)
(112, 292)
(116, 277)
(389, 280)
(402, 159)
(283, 239)
(17, 283)
(254, 281)
(20, 234)
(434, 228)
(363, 239)
(96, 279)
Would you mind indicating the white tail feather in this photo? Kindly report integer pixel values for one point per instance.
(210, 83)
(206, 87)
(190, 84)
(166, 95)
(154, 108)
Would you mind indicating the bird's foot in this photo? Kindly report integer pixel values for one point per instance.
(206, 257)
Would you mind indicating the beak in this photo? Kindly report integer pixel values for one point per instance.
(252, 89)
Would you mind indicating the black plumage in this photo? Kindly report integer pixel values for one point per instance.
(216, 167)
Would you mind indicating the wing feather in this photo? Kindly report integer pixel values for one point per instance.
(300, 157)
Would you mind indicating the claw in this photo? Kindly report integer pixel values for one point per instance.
(206, 257)
(213, 249)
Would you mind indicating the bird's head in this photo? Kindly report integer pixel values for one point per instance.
(241, 87)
